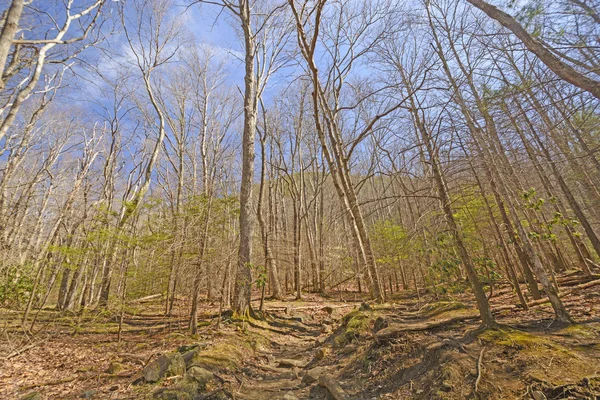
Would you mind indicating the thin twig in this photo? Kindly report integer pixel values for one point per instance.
(19, 351)
(479, 362)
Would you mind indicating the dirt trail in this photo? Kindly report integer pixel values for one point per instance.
(277, 372)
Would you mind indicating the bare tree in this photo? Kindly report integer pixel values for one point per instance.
(562, 69)
(153, 43)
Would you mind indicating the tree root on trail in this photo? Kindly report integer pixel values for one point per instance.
(395, 329)
(333, 387)
(267, 328)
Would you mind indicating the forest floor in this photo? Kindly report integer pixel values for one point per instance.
(412, 347)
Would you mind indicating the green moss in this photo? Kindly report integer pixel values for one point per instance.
(354, 325)
(231, 351)
(114, 368)
(579, 332)
(524, 341)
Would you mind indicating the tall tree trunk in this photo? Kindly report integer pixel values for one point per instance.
(9, 30)
(243, 276)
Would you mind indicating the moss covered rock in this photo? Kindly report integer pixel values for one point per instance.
(200, 376)
(164, 366)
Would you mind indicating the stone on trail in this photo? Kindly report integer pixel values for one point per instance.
(326, 329)
(537, 395)
(199, 375)
(114, 368)
(321, 354)
(289, 396)
(313, 375)
(285, 363)
(185, 348)
(164, 366)
(88, 394)
(188, 356)
(333, 387)
(380, 323)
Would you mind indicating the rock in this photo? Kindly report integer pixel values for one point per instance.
(188, 356)
(364, 307)
(380, 323)
(336, 316)
(473, 372)
(114, 368)
(88, 394)
(32, 396)
(184, 349)
(190, 351)
(200, 376)
(164, 366)
(289, 396)
(328, 310)
(537, 395)
(333, 387)
(313, 375)
(290, 363)
(326, 329)
(320, 354)
(446, 386)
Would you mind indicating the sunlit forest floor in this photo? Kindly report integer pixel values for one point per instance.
(415, 346)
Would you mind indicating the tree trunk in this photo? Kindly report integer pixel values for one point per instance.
(243, 275)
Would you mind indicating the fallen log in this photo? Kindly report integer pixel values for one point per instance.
(571, 290)
(593, 264)
(282, 308)
(396, 328)
(146, 298)
(577, 280)
(586, 285)
(333, 387)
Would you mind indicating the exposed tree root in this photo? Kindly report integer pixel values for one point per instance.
(333, 387)
(396, 329)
